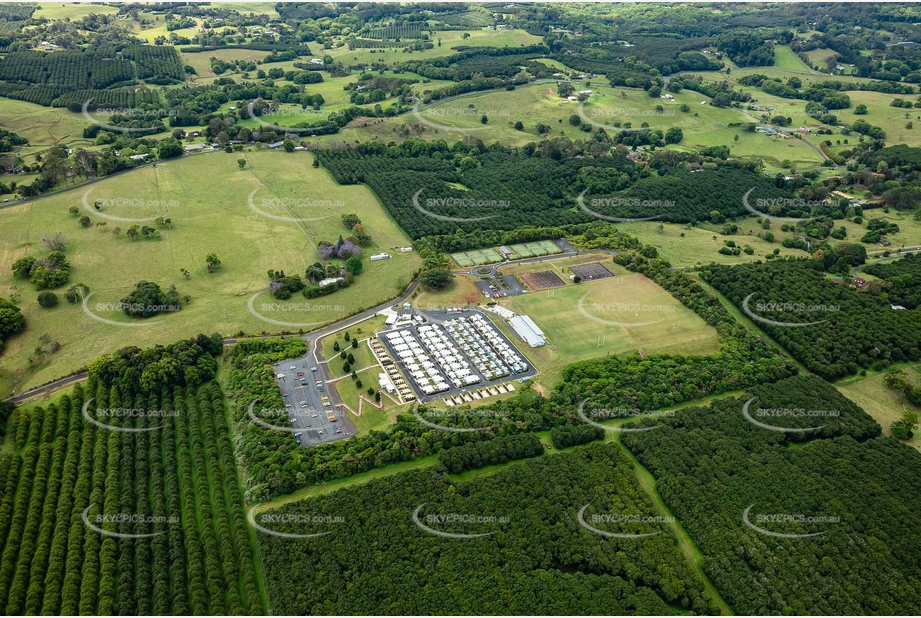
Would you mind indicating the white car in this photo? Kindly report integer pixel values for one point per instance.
(280, 376)
(292, 368)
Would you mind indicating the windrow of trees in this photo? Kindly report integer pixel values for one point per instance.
(536, 559)
(490, 452)
(853, 490)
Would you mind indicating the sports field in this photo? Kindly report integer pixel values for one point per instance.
(492, 255)
(616, 315)
(292, 207)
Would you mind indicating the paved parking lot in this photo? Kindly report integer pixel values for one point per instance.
(511, 288)
(304, 401)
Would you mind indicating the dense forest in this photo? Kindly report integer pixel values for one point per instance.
(536, 185)
(857, 491)
(837, 331)
(538, 561)
(904, 277)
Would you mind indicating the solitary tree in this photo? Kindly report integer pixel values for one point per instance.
(241, 163)
(212, 261)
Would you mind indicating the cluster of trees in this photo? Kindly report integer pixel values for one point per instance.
(187, 362)
(748, 48)
(490, 452)
(905, 382)
(11, 319)
(572, 435)
(859, 485)
(852, 331)
(147, 300)
(481, 62)
(406, 570)
(51, 271)
(905, 278)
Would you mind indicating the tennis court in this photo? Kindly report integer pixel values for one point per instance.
(476, 256)
(543, 280)
(590, 272)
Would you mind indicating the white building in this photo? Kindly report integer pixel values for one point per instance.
(380, 256)
(530, 332)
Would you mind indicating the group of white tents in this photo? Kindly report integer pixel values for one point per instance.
(416, 361)
(484, 357)
(497, 342)
(446, 354)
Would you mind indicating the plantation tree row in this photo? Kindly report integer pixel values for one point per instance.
(71, 70)
(156, 64)
(177, 481)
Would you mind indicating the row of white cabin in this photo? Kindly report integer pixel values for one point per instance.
(417, 363)
(485, 358)
(505, 351)
(446, 354)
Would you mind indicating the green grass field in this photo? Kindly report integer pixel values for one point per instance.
(207, 217)
(44, 127)
(880, 402)
(449, 39)
(697, 247)
(613, 316)
(787, 60)
(71, 10)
